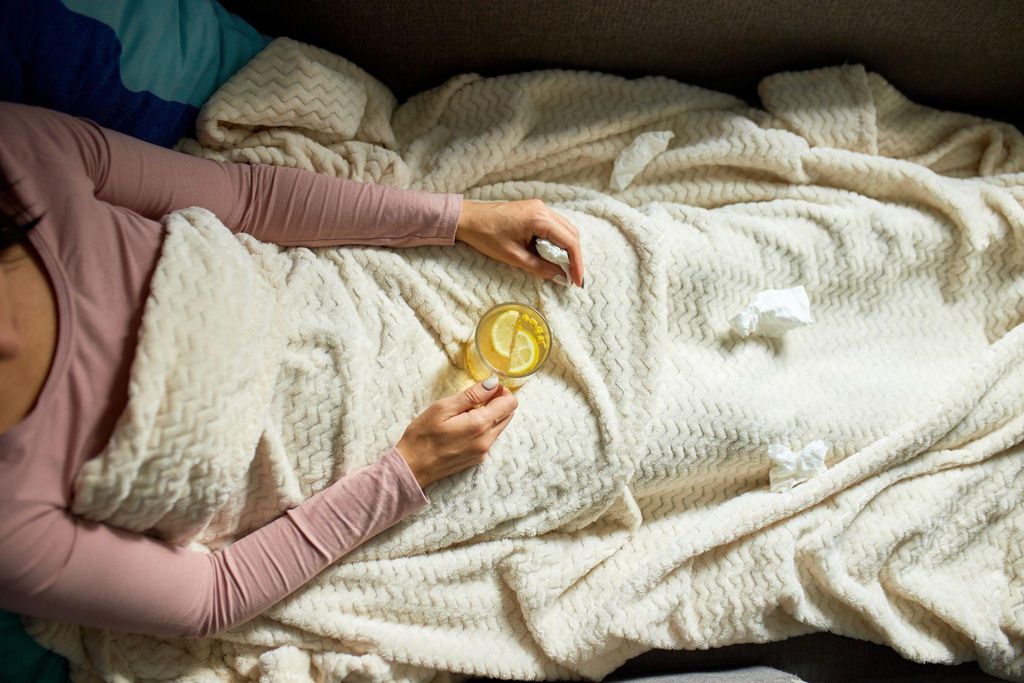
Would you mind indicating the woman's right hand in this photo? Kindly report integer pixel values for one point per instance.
(455, 432)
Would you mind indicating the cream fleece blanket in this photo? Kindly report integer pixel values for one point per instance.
(626, 507)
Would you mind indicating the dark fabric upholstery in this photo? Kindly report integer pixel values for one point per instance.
(949, 54)
(759, 674)
(815, 658)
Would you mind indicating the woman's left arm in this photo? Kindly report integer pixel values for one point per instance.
(286, 206)
(289, 206)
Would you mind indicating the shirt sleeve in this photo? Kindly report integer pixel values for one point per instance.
(56, 565)
(286, 206)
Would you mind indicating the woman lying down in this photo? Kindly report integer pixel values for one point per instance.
(79, 241)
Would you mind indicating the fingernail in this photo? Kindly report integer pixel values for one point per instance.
(560, 279)
(490, 382)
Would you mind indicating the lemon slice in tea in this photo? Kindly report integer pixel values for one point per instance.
(525, 353)
(503, 331)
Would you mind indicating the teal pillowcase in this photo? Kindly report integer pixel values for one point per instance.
(142, 68)
(180, 51)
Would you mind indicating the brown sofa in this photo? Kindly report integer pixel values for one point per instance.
(962, 55)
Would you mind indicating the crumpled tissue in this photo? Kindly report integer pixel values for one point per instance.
(634, 159)
(549, 251)
(774, 312)
(795, 468)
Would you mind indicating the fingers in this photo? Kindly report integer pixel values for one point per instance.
(479, 422)
(484, 442)
(500, 427)
(500, 408)
(576, 233)
(565, 221)
(532, 263)
(472, 396)
(556, 231)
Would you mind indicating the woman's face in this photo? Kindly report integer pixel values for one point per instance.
(12, 257)
(10, 338)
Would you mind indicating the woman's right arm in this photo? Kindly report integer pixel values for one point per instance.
(59, 566)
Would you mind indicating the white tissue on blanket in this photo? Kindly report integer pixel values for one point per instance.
(774, 312)
(795, 468)
(549, 251)
(634, 159)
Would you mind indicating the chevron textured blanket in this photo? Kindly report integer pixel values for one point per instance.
(627, 506)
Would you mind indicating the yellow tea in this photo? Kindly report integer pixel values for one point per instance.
(512, 341)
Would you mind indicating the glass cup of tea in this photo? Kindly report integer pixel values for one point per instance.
(512, 341)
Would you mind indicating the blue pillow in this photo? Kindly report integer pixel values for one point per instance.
(141, 68)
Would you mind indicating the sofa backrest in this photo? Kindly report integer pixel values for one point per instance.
(966, 55)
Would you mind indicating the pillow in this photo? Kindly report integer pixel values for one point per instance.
(141, 68)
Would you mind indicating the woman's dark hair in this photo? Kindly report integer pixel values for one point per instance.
(11, 230)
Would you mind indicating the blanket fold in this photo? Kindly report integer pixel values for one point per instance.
(626, 507)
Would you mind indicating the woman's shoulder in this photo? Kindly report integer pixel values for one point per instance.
(33, 117)
(36, 136)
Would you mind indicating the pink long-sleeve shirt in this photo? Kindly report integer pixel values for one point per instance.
(100, 195)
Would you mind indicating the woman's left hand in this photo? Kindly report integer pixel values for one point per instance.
(504, 231)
